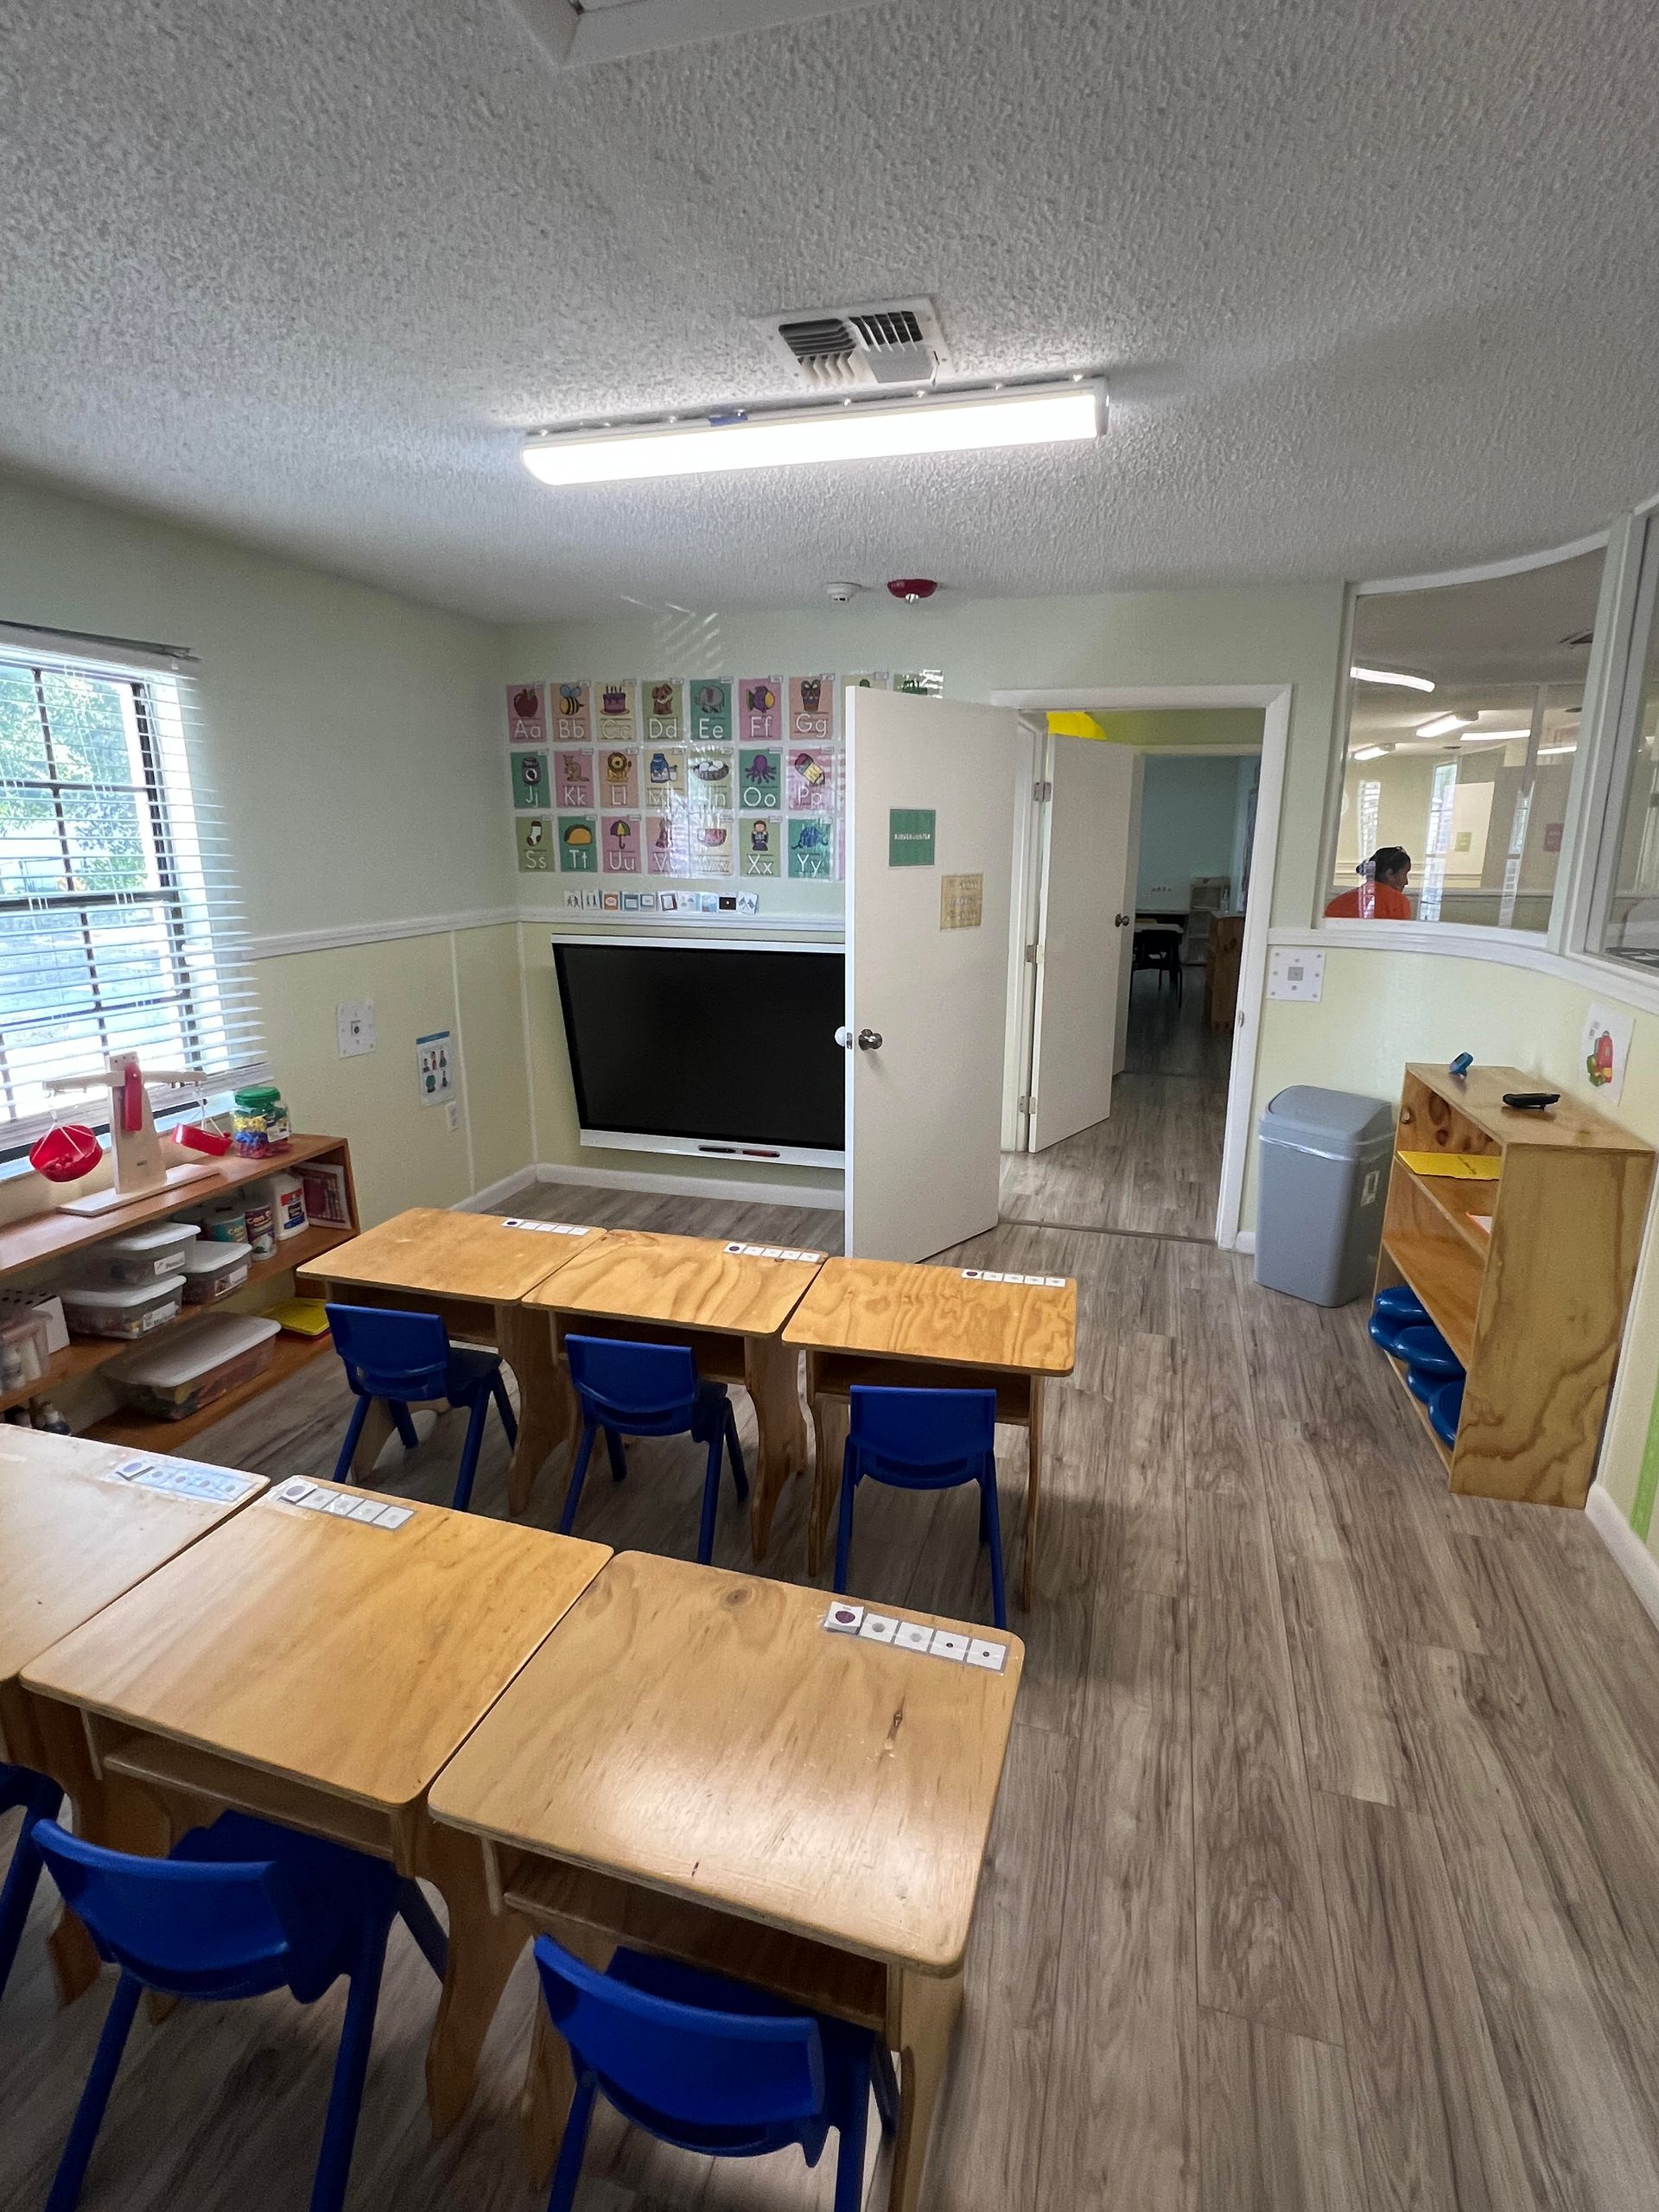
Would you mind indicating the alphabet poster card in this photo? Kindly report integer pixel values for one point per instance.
(758, 842)
(710, 779)
(811, 780)
(812, 849)
(666, 786)
(534, 844)
(528, 779)
(622, 845)
(811, 710)
(761, 778)
(619, 776)
(527, 715)
(578, 845)
(576, 773)
(711, 713)
(759, 710)
(664, 711)
(616, 716)
(572, 714)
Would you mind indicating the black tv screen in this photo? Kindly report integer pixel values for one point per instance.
(713, 1045)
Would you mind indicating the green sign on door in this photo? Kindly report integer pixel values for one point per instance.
(910, 836)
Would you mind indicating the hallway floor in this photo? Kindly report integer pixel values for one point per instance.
(1154, 1169)
(1323, 1874)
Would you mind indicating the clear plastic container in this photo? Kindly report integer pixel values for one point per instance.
(213, 1271)
(23, 1354)
(143, 1253)
(200, 1364)
(111, 1309)
(260, 1122)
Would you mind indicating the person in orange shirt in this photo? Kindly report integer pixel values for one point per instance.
(1382, 896)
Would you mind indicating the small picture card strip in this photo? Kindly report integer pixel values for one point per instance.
(770, 1252)
(546, 1228)
(1031, 1282)
(323, 1497)
(186, 1479)
(955, 1645)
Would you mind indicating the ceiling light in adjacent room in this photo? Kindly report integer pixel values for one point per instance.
(1391, 675)
(1035, 415)
(1492, 736)
(1554, 751)
(1443, 725)
(1369, 752)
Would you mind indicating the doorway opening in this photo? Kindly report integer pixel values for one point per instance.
(1144, 850)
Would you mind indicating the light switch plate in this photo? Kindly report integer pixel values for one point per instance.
(451, 1114)
(355, 1018)
(1294, 973)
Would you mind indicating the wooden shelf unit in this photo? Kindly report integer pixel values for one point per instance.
(1535, 1308)
(27, 1247)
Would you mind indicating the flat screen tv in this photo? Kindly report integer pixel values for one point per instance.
(706, 1048)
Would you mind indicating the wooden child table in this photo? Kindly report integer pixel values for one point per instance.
(726, 1303)
(473, 1270)
(320, 1669)
(887, 1322)
(693, 1764)
(73, 1536)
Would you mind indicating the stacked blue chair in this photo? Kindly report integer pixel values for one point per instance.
(711, 2065)
(22, 1789)
(923, 1440)
(239, 1908)
(649, 1390)
(407, 1358)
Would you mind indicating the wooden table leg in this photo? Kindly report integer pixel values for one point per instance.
(1033, 1486)
(525, 1338)
(827, 1441)
(925, 2008)
(772, 1376)
(483, 1948)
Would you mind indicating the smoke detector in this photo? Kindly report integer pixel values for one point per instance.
(843, 594)
(895, 342)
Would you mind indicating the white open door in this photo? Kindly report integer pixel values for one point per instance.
(930, 842)
(1085, 934)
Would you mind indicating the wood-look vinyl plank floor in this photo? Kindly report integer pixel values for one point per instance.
(1321, 1878)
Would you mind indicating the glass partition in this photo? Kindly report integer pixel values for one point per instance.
(1629, 926)
(1463, 726)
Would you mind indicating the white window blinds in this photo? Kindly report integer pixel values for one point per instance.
(119, 925)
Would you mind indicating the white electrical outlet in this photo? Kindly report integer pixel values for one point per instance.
(355, 1018)
(451, 1114)
(1293, 973)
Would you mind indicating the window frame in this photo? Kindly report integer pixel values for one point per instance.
(1635, 614)
(180, 890)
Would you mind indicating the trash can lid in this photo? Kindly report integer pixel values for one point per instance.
(1306, 1115)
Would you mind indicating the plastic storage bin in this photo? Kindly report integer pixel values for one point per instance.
(1324, 1183)
(200, 1364)
(23, 1353)
(143, 1253)
(121, 1309)
(213, 1271)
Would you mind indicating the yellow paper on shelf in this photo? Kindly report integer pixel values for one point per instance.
(301, 1317)
(1465, 1166)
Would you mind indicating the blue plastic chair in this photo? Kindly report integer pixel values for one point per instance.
(239, 1908)
(398, 1358)
(711, 2065)
(38, 1800)
(649, 1390)
(923, 1440)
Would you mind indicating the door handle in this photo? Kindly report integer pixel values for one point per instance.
(869, 1041)
(1122, 921)
(844, 1038)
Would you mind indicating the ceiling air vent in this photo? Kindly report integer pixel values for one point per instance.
(895, 342)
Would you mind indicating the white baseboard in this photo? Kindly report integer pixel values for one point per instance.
(492, 1195)
(1244, 1240)
(748, 1190)
(1630, 1556)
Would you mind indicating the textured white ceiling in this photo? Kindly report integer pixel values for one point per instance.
(1375, 287)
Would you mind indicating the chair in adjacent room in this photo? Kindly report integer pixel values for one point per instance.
(923, 1440)
(629, 1389)
(711, 2065)
(237, 1909)
(38, 1799)
(407, 1358)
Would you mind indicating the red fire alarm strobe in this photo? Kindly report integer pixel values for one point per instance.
(911, 588)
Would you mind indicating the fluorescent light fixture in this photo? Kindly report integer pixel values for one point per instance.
(1492, 736)
(1443, 725)
(1367, 753)
(1039, 415)
(1554, 751)
(1391, 675)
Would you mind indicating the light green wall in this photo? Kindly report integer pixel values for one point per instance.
(354, 742)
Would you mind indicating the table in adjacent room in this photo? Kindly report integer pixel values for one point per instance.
(727, 1302)
(473, 1270)
(317, 1660)
(80, 1524)
(695, 1763)
(886, 1322)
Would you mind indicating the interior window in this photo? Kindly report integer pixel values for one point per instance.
(1630, 907)
(1462, 726)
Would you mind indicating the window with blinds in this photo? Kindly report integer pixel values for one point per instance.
(118, 919)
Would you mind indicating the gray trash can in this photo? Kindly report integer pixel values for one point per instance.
(1324, 1181)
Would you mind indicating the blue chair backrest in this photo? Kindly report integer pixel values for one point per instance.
(184, 1925)
(931, 1433)
(391, 1355)
(700, 2068)
(626, 1383)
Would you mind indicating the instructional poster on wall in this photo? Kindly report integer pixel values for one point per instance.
(681, 776)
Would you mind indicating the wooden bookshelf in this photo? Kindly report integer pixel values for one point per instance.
(1535, 1308)
(50, 1248)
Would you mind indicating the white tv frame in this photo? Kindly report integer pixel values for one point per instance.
(786, 1155)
